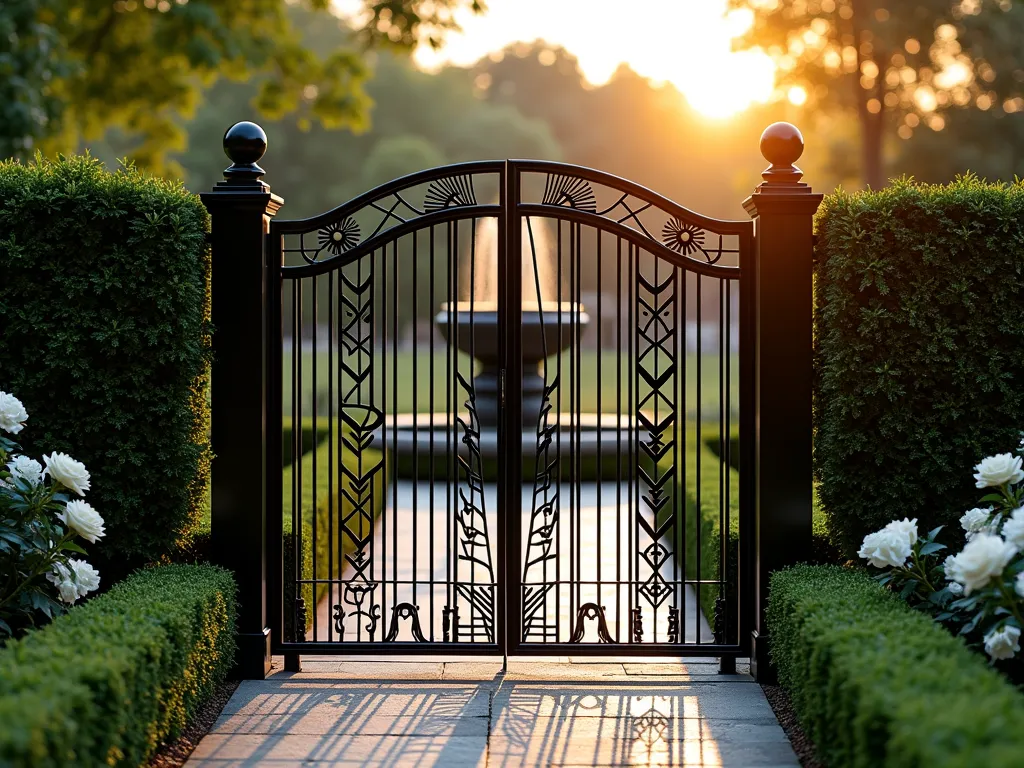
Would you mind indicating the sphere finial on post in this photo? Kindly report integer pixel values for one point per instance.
(781, 145)
(244, 144)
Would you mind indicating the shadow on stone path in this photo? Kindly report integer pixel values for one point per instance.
(560, 712)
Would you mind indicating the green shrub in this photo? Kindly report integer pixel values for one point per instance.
(709, 514)
(111, 680)
(105, 337)
(309, 438)
(919, 315)
(876, 683)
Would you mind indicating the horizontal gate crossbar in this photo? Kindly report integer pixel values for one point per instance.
(481, 649)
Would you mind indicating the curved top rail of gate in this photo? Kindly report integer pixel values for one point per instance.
(449, 193)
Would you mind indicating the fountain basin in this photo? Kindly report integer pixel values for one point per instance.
(547, 329)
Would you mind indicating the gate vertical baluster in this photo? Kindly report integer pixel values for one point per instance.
(510, 428)
(241, 207)
(618, 443)
(783, 208)
(415, 438)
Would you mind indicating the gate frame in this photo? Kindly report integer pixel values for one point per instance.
(775, 407)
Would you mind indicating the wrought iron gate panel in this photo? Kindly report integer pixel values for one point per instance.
(546, 466)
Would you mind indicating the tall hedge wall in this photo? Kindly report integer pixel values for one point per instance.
(105, 337)
(919, 349)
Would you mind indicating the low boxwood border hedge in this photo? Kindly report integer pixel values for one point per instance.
(877, 683)
(111, 680)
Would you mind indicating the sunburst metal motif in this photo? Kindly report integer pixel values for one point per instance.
(449, 192)
(339, 236)
(682, 238)
(569, 191)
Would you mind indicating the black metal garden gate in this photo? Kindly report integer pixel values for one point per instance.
(521, 389)
(507, 407)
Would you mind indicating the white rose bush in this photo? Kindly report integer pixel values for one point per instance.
(42, 513)
(978, 592)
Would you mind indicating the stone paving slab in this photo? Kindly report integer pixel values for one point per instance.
(236, 751)
(569, 714)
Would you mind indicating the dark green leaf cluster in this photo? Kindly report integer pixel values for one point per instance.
(113, 679)
(877, 683)
(105, 337)
(919, 317)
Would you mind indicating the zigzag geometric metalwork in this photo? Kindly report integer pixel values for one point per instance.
(591, 611)
(541, 542)
(358, 475)
(473, 542)
(656, 410)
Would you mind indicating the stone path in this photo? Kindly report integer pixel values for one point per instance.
(554, 712)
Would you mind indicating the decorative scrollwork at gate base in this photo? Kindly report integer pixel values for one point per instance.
(589, 612)
(404, 611)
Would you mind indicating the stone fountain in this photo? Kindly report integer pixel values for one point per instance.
(472, 324)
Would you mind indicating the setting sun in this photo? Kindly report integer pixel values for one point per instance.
(684, 42)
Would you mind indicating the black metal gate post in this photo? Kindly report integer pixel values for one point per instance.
(783, 209)
(240, 208)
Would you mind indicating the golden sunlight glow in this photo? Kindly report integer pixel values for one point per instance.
(685, 42)
(796, 95)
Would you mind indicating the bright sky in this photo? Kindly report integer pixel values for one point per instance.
(685, 42)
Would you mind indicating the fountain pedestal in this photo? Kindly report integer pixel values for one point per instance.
(547, 330)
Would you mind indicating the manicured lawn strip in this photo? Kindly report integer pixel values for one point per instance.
(330, 507)
(876, 683)
(114, 678)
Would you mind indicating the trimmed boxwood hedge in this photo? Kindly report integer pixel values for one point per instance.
(876, 683)
(919, 319)
(105, 337)
(111, 680)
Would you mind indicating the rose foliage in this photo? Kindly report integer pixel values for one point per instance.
(39, 522)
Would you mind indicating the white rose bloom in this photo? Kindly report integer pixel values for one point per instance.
(28, 469)
(1018, 584)
(1013, 529)
(885, 548)
(906, 528)
(68, 472)
(12, 413)
(947, 566)
(87, 577)
(75, 580)
(999, 469)
(80, 517)
(60, 577)
(983, 558)
(955, 588)
(1002, 643)
(974, 520)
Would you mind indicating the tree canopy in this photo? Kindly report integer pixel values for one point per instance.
(77, 68)
(900, 68)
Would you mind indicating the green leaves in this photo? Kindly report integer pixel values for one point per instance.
(73, 69)
(104, 335)
(119, 675)
(915, 382)
(876, 683)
